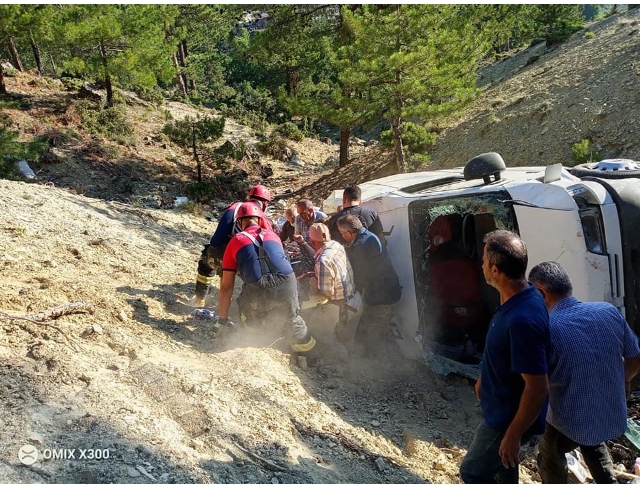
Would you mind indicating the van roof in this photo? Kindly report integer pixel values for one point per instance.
(449, 180)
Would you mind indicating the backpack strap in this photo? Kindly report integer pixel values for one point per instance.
(263, 257)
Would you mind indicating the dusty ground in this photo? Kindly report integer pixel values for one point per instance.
(143, 379)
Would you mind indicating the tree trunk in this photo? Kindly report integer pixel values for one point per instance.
(107, 76)
(344, 146)
(185, 55)
(181, 57)
(36, 53)
(17, 62)
(53, 65)
(179, 78)
(194, 146)
(397, 145)
(3, 88)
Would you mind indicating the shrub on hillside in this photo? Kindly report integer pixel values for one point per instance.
(583, 152)
(290, 130)
(111, 122)
(274, 146)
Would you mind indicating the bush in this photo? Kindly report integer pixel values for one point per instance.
(203, 192)
(583, 152)
(275, 146)
(111, 122)
(589, 35)
(152, 95)
(290, 130)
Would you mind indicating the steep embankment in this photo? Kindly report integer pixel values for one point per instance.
(537, 105)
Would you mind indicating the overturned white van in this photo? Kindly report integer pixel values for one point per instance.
(435, 222)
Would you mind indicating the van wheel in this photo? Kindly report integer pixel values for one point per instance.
(608, 169)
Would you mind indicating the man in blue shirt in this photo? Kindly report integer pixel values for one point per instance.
(593, 357)
(375, 278)
(512, 386)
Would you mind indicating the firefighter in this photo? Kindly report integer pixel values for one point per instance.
(270, 289)
(211, 257)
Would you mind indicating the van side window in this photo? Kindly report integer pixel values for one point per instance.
(592, 227)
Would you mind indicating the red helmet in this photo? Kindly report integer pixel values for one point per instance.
(260, 191)
(249, 209)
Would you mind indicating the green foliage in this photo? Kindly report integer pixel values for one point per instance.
(290, 130)
(256, 120)
(110, 122)
(589, 35)
(192, 207)
(583, 152)
(416, 138)
(11, 151)
(558, 21)
(274, 146)
(196, 133)
(151, 94)
(203, 192)
(200, 130)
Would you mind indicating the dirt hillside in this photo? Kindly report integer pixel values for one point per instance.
(134, 377)
(539, 102)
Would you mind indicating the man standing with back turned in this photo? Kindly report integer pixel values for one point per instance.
(512, 386)
(593, 357)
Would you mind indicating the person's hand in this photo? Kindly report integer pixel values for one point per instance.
(477, 388)
(298, 239)
(509, 451)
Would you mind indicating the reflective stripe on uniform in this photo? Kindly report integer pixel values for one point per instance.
(304, 347)
(203, 279)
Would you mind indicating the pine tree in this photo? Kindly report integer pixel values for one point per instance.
(118, 44)
(415, 61)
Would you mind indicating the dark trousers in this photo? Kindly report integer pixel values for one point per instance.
(482, 464)
(552, 464)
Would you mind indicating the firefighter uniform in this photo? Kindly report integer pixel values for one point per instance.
(211, 258)
(269, 293)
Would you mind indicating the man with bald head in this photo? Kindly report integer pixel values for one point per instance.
(513, 385)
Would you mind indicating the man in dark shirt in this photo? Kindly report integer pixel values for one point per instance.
(513, 385)
(375, 278)
(351, 206)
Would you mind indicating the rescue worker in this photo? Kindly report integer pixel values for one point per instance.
(270, 289)
(340, 306)
(211, 257)
(375, 279)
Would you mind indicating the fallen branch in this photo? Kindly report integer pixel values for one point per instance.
(267, 463)
(53, 313)
(65, 309)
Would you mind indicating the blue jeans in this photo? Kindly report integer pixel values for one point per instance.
(482, 464)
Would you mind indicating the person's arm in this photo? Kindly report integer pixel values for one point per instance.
(477, 386)
(224, 229)
(226, 292)
(308, 249)
(536, 390)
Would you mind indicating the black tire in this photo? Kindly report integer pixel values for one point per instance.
(583, 170)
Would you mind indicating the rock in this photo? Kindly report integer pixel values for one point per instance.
(97, 329)
(439, 465)
(331, 160)
(380, 464)
(326, 140)
(85, 378)
(197, 444)
(375, 424)
(266, 171)
(132, 472)
(221, 205)
(36, 438)
(123, 316)
(164, 478)
(274, 480)
(281, 204)
(142, 470)
(544, 130)
(296, 161)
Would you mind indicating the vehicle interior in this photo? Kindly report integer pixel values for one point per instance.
(455, 303)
